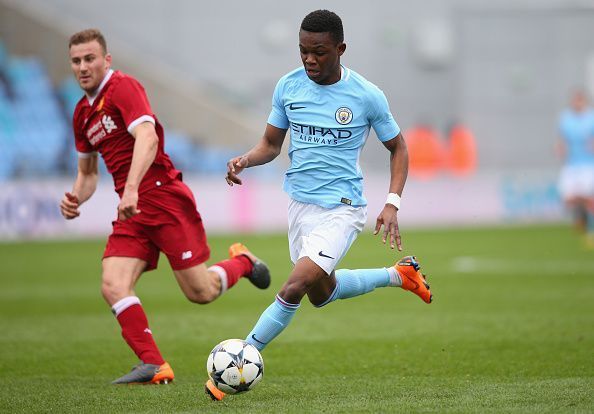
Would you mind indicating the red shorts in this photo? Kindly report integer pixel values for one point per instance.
(168, 222)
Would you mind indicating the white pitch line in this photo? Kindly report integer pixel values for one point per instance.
(471, 264)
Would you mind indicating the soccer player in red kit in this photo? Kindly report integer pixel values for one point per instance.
(156, 212)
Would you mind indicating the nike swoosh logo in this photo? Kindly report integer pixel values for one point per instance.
(292, 107)
(260, 342)
(325, 255)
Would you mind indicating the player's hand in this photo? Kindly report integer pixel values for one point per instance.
(69, 206)
(234, 167)
(388, 218)
(128, 206)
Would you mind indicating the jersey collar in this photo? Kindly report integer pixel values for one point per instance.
(91, 99)
(345, 73)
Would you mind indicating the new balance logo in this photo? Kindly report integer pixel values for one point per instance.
(108, 123)
(187, 255)
(148, 331)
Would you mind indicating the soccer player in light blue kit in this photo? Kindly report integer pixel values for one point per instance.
(576, 146)
(329, 110)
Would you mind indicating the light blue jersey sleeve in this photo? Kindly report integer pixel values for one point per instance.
(278, 115)
(381, 118)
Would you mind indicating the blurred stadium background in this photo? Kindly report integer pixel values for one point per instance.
(476, 86)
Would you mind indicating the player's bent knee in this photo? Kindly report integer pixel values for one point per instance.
(113, 291)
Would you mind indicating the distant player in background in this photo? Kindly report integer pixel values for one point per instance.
(157, 211)
(329, 110)
(576, 147)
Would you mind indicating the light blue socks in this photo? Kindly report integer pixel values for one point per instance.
(351, 283)
(272, 322)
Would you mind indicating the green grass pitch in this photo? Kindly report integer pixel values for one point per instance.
(511, 330)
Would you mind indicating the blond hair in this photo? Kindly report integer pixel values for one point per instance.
(86, 36)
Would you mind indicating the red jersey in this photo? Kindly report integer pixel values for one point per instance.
(103, 125)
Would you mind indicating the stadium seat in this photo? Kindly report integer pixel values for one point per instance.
(3, 55)
(462, 152)
(70, 94)
(36, 134)
(426, 152)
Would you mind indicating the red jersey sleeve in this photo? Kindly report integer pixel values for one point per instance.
(131, 100)
(83, 146)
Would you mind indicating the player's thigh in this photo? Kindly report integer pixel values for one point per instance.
(198, 283)
(304, 276)
(180, 234)
(130, 239)
(323, 235)
(576, 183)
(119, 276)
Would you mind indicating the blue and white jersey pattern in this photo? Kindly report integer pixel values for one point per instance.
(577, 130)
(329, 125)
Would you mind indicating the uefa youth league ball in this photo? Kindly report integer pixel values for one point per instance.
(235, 366)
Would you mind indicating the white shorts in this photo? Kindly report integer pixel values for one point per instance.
(577, 181)
(324, 235)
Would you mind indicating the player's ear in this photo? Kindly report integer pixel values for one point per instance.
(341, 48)
(108, 60)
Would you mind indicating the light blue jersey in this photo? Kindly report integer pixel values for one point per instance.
(329, 125)
(577, 130)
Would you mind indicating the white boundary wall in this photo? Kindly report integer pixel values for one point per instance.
(29, 209)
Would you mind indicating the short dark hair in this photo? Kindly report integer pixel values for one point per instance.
(321, 21)
(86, 36)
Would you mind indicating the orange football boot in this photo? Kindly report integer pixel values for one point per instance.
(163, 375)
(412, 279)
(260, 276)
(213, 392)
(148, 374)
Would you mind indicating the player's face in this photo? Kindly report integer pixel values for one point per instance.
(89, 64)
(320, 55)
(578, 101)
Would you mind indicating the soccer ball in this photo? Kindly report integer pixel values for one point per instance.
(235, 366)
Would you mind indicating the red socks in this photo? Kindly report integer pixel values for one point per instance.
(135, 330)
(231, 270)
(132, 318)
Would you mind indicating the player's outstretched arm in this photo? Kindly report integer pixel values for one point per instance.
(83, 189)
(144, 153)
(265, 151)
(388, 217)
